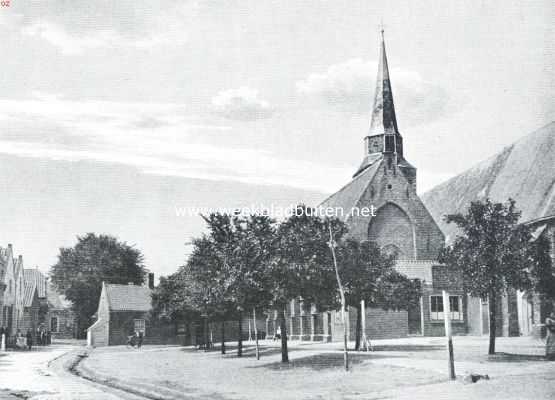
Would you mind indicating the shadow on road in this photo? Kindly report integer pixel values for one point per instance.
(320, 362)
(510, 357)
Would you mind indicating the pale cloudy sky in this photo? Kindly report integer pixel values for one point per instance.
(250, 100)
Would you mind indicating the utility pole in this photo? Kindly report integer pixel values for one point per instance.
(255, 334)
(447, 320)
(332, 245)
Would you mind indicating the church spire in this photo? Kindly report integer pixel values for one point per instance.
(383, 112)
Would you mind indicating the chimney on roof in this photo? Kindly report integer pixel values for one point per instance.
(151, 280)
(20, 258)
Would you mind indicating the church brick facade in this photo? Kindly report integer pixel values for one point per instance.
(401, 225)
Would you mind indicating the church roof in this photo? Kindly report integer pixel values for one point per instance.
(383, 112)
(349, 195)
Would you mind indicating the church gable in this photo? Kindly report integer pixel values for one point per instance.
(386, 183)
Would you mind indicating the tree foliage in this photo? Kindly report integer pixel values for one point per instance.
(368, 274)
(493, 251)
(81, 269)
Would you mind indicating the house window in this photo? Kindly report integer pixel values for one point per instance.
(140, 326)
(455, 306)
(54, 324)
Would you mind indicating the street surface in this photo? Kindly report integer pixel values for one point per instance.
(411, 368)
(40, 375)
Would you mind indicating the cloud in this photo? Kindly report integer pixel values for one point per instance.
(156, 138)
(57, 36)
(104, 25)
(241, 104)
(349, 86)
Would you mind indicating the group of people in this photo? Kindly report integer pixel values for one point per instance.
(23, 341)
(136, 339)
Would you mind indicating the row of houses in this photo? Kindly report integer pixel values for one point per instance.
(29, 302)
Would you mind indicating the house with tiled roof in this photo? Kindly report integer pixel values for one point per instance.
(31, 306)
(54, 310)
(11, 290)
(122, 310)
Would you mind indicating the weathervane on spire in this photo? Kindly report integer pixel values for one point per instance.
(382, 27)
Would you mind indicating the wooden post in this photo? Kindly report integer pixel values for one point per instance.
(363, 323)
(267, 326)
(447, 320)
(3, 342)
(332, 245)
(257, 350)
(312, 316)
(301, 330)
(250, 334)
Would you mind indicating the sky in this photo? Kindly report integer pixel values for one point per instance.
(112, 113)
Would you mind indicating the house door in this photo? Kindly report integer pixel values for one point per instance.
(415, 319)
(10, 320)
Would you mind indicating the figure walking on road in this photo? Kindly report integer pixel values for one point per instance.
(29, 339)
(550, 342)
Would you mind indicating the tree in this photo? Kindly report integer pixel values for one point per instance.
(368, 274)
(81, 269)
(303, 265)
(493, 252)
(245, 247)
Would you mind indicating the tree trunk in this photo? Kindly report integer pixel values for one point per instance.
(240, 340)
(283, 327)
(492, 314)
(358, 328)
(223, 337)
(205, 334)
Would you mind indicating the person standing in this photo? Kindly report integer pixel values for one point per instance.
(140, 340)
(550, 341)
(29, 339)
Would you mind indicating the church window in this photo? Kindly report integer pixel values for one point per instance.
(436, 308)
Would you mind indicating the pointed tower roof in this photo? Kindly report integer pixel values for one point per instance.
(383, 111)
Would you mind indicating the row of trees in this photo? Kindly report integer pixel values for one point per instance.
(252, 264)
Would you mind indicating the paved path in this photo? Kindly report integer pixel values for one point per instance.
(42, 374)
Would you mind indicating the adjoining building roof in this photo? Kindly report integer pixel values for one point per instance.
(524, 171)
(128, 297)
(29, 293)
(34, 275)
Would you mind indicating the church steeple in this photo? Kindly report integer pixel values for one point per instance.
(383, 139)
(383, 120)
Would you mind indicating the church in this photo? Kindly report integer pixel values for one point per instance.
(401, 225)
